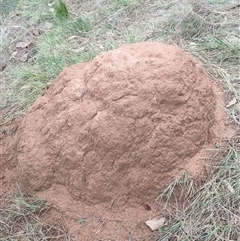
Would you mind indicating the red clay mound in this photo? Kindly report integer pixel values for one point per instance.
(125, 124)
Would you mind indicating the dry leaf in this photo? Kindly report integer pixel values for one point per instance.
(23, 45)
(232, 102)
(36, 32)
(155, 224)
(24, 58)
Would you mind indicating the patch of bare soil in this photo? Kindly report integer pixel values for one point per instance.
(101, 221)
(108, 135)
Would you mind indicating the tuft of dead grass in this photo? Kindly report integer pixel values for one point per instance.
(21, 219)
(212, 211)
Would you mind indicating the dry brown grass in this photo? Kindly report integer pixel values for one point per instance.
(21, 219)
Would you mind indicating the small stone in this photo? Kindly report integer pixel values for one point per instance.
(155, 224)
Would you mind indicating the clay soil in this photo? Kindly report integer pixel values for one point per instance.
(110, 134)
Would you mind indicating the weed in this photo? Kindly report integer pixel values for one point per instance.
(80, 25)
(23, 206)
(81, 221)
(191, 27)
(186, 185)
(61, 10)
(21, 220)
(221, 51)
(213, 210)
(22, 92)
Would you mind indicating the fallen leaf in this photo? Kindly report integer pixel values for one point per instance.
(232, 102)
(155, 224)
(23, 45)
(24, 58)
(36, 32)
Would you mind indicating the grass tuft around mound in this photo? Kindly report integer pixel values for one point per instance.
(212, 211)
(21, 219)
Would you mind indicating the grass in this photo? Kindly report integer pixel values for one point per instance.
(26, 85)
(7, 6)
(61, 10)
(21, 219)
(212, 211)
(207, 29)
(77, 31)
(184, 186)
